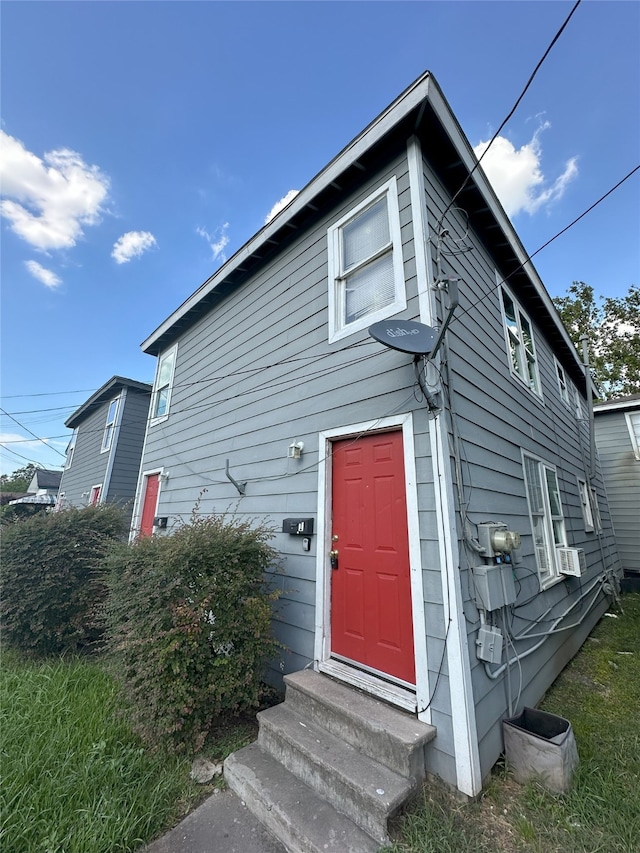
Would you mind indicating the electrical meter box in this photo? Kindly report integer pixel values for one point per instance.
(494, 585)
(298, 526)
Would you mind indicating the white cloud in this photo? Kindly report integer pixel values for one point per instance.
(48, 201)
(47, 277)
(516, 174)
(132, 245)
(218, 241)
(280, 205)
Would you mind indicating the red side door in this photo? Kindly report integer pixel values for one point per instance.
(150, 504)
(371, 620)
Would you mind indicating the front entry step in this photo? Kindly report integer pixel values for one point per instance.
(331, 766)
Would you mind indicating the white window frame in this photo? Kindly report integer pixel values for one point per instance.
(70, 449)
(172, 352)
(110, 426)
(633, 425)
(551, 526)
(563, 383)
(523, 361)
(97, 488)
(338, 327)
(587, 509)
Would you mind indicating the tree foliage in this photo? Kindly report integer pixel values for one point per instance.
(19, 480)
(612, 326)
(53, 583)
(190, 621)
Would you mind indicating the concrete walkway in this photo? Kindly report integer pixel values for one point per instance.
(222, 824)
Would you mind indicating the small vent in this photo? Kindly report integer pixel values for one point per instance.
(572, 561)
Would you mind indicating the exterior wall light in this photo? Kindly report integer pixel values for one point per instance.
(295, 449)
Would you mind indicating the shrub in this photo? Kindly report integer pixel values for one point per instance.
(190, 620)
(53, 583)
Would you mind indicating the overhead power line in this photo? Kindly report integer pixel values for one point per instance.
(513, 108)
(26, 429)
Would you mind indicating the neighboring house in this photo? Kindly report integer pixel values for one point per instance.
(43, 489)
(617, 428)
(385, 476)
(103, 455)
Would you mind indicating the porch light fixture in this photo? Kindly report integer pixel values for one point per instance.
(295, 449)
(165, 476)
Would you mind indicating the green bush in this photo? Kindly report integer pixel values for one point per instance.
(190, 620)
(53, 583)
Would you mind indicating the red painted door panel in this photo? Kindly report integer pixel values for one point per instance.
(371, 620)
(150, 504)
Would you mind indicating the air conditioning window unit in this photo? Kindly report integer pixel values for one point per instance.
(572, 561)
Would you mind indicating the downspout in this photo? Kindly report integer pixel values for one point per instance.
(584, 340)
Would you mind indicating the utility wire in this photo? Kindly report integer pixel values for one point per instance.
(26, 429)
(513, 109)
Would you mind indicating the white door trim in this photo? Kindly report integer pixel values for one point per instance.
(322, 651)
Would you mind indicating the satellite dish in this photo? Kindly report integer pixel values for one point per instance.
(404, 335)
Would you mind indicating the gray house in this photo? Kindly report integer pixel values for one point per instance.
(426, 484)
(103, 455)
(617, 429)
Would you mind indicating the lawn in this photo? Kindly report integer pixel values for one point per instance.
(599, 692)
(74, 777)
(76, 780)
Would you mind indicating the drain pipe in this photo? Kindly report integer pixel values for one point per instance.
(584, 340)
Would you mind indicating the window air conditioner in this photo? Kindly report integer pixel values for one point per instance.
(572, 561)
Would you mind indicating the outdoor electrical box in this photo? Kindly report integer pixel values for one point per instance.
(298, 526)
(160, 521)
(494, 585)
(495, 539)
(489, 644)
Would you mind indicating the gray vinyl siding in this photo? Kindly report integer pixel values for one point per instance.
(257, 373)
(621, 472)
(127, 450)
(115, 470)
(88, 465)
(496, 418)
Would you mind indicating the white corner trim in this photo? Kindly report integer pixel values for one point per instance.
(465, 735)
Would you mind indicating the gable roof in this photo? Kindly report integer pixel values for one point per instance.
(43, 479)
(622, 403)
(109, 390)
(420, 110)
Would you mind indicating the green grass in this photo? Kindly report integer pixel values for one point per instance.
(599, 692)
(74, 777)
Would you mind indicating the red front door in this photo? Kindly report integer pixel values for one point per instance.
(150, 504)
(371, 620)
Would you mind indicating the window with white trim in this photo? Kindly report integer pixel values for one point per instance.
(547, 518)
(633, 424)
(563, 383)
(70, 448)
(587, 511)
(163, 385)
(366, 275)
(110, 426)
(520, 345)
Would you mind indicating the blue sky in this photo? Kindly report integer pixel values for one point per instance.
(144, 142)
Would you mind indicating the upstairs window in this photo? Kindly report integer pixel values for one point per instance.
(163, 385)
(112, 414)
(520, 344)
(547, 518)
(633, 424)
(563, 384)
(70, 448)
(366, 277)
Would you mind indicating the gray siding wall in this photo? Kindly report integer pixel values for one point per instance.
(621, 472)
(496, 417)
(128, 450)
(258, 372)
(89, 465)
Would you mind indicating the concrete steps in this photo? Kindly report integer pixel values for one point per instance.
(330, 768)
